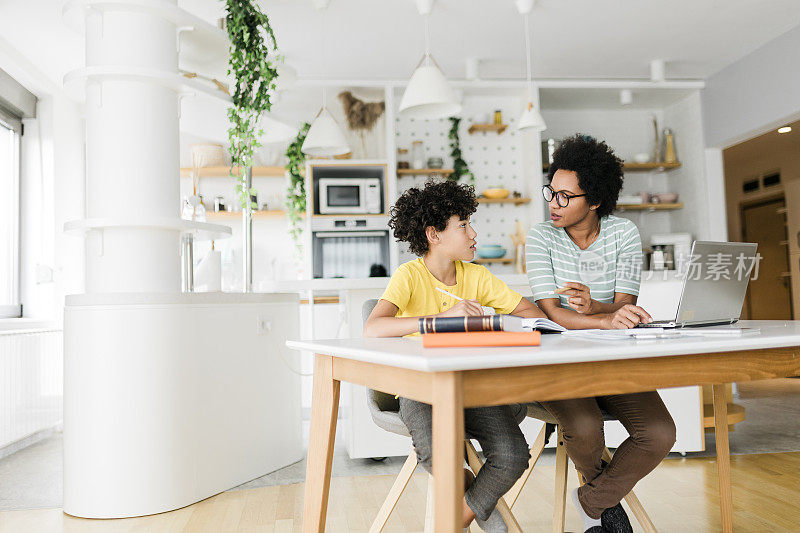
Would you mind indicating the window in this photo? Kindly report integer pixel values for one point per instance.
(10, 130)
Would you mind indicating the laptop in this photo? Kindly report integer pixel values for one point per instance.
(714, 285)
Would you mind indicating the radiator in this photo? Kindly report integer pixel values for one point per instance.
(31, 383)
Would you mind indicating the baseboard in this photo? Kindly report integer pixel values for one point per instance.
(31, 439)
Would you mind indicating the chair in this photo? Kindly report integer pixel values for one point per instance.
(384, 409)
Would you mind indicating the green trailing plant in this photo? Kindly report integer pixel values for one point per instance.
(460, 167)
(252, 64)
(296, 189)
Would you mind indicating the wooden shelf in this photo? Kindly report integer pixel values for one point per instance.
(648, 207)
(639, 167)
(222, 172)
(645, 167)
(509, 200)
(423, 171)
(503, 260)
(499, 128)
(224, 215)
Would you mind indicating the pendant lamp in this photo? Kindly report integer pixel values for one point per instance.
(531, 119)
(428, 95)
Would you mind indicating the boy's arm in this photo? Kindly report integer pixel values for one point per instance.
(625, 317)
(526, 309)
(382, 322)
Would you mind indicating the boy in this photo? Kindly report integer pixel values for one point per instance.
(434, 221)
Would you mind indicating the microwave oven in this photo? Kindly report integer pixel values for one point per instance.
(349, 196)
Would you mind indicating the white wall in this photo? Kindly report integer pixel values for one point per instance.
(754, 94)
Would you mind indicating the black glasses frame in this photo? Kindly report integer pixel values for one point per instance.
(547, 190)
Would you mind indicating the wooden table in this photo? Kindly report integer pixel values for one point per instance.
(451, 379)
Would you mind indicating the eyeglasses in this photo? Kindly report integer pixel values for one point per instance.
(562, 197)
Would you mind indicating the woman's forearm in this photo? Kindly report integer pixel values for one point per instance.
(571, 319)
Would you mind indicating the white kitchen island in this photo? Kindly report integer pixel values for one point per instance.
(364, 439)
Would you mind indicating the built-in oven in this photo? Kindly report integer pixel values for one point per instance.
(349, 196)
(350, 247)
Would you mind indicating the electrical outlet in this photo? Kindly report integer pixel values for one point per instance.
(264, 326)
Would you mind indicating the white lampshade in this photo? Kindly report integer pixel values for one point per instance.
(428, 95)
(324, 137)
(531, 119)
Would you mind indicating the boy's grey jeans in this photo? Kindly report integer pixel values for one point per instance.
(498, 433)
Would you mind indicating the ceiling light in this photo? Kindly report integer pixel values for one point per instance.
(785, 129)
(531, 119)
(428, 95)
(324, 137)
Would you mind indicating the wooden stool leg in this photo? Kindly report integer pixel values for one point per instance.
(395, 492)
(476, 464)
(637, 509)
(560, 491)
(536, 452)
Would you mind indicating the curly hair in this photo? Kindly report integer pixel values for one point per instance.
(599, 170)
(432, 205)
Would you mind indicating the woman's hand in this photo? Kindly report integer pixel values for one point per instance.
(579, 298)
(464, 308)
(626, 317)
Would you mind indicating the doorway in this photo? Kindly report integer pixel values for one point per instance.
(769, 293)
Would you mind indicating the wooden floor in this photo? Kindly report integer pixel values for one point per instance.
(681, 496)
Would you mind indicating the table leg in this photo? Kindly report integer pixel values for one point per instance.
(324, 411)
(448, 451)
(723, 456)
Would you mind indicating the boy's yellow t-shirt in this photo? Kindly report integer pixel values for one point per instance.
(412, 289)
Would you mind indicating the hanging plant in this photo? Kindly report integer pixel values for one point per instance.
(254, 71)
(296, 190)
(460, 167)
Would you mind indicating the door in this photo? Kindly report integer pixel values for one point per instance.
(768, 295)
(791, 189)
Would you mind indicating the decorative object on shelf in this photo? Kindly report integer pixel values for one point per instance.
(491, 251)
(402, 159)
(296, 189)
(193, 209)
(460, 167)
(630, 199)
(498, 117)
(435, 162)
(518, 239)
(531, 118)
(549, 147)
(203, 155)
(664, 198)
(428, 95)
(656, 143)
(642, 158)
(669, 147)
(219, 203)
(497, 128)
(496, 193)
(417, 155)
(361, 116)
(325, 137)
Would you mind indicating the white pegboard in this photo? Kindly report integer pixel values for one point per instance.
(495, 160)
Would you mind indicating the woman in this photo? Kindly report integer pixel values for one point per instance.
(584, 268)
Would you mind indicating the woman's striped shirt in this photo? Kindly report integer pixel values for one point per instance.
(612, 263)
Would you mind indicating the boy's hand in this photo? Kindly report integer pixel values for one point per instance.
(579, 297)
(464, 308)
(626, 317)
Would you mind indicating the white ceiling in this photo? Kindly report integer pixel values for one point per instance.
(383, 39)
(379, 39)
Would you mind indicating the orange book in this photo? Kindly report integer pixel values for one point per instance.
(482, 338)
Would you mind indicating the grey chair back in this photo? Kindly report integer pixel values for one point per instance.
(378, 401)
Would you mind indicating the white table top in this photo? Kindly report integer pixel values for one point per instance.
(409, 353)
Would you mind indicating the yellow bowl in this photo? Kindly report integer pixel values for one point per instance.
(496, 194)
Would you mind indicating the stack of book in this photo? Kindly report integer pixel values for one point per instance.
(492, 330)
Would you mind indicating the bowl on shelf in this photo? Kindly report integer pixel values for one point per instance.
(490, 251)
(642, 158)
(665, 197)
(496, 193)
